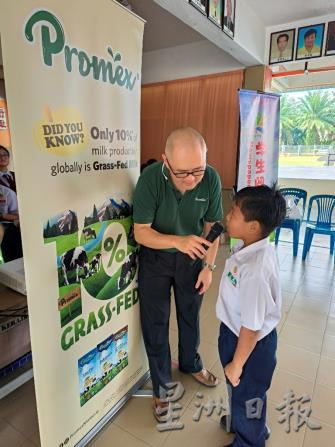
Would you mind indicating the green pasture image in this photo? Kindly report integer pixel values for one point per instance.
(64, 243)
(302, 160)
(85, 397)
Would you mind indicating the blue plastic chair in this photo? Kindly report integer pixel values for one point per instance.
(294, 224)
(323, 223)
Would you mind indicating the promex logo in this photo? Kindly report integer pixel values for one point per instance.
(110, 70)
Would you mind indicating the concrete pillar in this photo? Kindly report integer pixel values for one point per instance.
(258, 77)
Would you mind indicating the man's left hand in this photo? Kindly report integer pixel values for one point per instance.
(204, 280)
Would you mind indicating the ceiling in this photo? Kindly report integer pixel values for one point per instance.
(163, 30)
(275, 12)
(306, 80)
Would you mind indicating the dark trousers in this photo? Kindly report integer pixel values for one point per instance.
(254, 383)
(158, 272)
(11, 245)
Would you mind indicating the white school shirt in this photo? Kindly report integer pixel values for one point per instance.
(249, 293)
(8, 200)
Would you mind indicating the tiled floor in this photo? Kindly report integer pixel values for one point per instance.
(306, 364)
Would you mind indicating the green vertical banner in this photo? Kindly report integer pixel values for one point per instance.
(73, 82)
(259, 138)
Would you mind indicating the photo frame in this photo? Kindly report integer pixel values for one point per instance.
(282, 46)
(215, 12)
(200, 5)
(229, 10)
(330, 41)
(310, 41)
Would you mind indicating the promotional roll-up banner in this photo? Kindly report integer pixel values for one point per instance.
(259, 138)
(73, 79)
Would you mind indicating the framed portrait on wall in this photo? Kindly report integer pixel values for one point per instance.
(215, 12)
(282, 46)
(200, 5)
(229, 17)
(310, 40)
(330, 42)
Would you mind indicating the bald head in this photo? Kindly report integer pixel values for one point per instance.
(184, 142)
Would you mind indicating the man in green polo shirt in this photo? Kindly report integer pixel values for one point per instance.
(175, 204)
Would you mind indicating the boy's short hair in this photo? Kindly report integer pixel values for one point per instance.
(264, 204)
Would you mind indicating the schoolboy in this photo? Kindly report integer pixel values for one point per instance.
(249, 307)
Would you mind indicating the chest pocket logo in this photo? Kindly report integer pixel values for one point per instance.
(232, 276)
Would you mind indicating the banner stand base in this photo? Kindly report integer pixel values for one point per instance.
(143, 393)
(104, 421)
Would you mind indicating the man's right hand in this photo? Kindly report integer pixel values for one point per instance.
(192, 246)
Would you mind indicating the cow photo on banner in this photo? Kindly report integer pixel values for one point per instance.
(73, 82)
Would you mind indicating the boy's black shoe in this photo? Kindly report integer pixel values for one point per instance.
(223, 424)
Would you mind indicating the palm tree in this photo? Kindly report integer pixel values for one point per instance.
(316, 116)
(288, 118)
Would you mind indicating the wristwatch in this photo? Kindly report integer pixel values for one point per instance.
(211, 267)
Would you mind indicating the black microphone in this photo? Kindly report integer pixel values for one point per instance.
(214, 233)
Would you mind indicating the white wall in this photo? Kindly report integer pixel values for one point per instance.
(250, 30)
(195, 59)
(312, 186)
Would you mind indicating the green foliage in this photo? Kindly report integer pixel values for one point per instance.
(308, 119)
(64, 243)
(288, 113)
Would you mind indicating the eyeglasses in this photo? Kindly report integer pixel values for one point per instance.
(2, 155)
(195, 172)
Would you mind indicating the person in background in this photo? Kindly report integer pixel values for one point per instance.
(7, 178)
(148, 163)
(249, 308)
(2, 233)
(11, 245)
